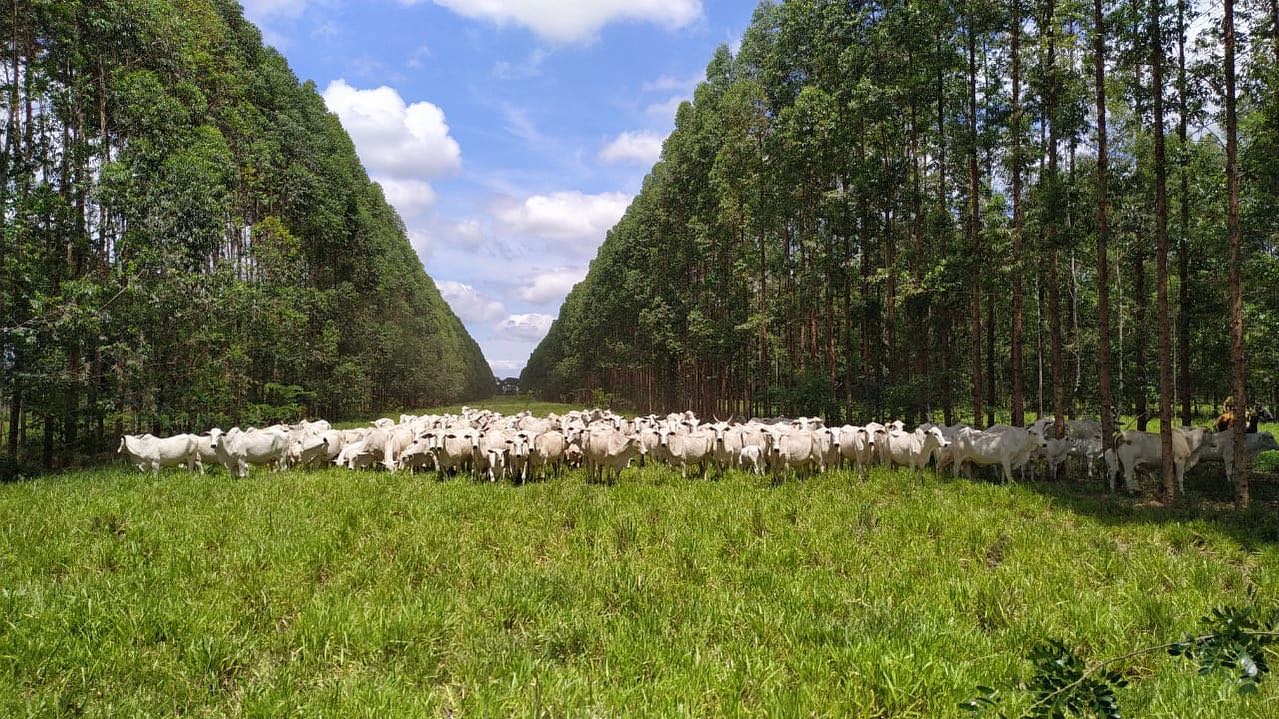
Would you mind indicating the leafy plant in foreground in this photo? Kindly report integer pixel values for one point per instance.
(1063, 684)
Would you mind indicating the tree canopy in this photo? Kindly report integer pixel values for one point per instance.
(189, 238)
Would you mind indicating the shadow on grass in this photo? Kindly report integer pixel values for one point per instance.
(1208, 498)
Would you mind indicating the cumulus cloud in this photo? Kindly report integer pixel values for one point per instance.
(641, 148)
(531, 327)
(550, 286)
(508, 367)
(666, 109)
(573, 21)
(470, 304)
(576, 220)
(409, 197)
(394, 139)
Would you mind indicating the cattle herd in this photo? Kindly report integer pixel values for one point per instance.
(522, 447)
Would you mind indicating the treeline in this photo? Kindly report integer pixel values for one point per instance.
(189, 238)
(950, 210)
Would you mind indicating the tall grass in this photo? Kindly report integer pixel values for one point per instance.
(341, 594)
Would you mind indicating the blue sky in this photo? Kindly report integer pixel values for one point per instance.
(510, 134)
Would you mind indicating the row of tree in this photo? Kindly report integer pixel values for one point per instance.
(189, 238)
(949, 209)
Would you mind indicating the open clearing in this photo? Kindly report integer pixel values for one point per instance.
(336, 594)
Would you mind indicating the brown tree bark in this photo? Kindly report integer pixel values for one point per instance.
(1051, 230)
(1018, 369)
(1236, 262)
(974, 232)
(1163, 319)
(1183, 243)
(1103, 231)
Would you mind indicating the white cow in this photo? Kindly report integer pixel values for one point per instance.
(751, 458)
(685, 450)
(150, 452)
(547, 453)
(608, 452)
(1136, 449)
(250, 447)
(1256, 442)
(915, 449)
(1002, 445)
(794, 450)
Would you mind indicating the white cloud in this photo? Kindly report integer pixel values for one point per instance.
(531, 327)
(574, 219)
(550, 286)
(573, 21)
(668, 83)
(531, 66)
(326, 30)
(402, 146)
(469, 304)
(641, 148)
(394, 139)
(422, 243)
(468, 232)
(417, 60)
(507, 366)
(409, 197)
(666, 109)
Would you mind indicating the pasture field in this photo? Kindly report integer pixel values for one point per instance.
(338, 594)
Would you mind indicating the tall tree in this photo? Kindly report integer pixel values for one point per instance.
(1103, 231)
(1016, 350)
(1183, 240)
(1161, 248)
(1235, 233)
(974, 225)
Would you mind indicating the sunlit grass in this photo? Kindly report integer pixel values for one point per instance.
(332, 593)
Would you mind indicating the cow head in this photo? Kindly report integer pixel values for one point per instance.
(215, 438)
(941, 438)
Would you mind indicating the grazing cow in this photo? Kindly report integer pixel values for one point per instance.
(727, 446)
(1255, 443)
(608, 452)
(651, 440)
(693, 448)
(149, 452)
(855, 447)
(495, 453)
(250, 447)
(751, 458)
(1136, 449)
(304, 450)
(915, 449)
(1002, 445)
(458, 449)
(419, 453)
(547, 452)
(795, 450)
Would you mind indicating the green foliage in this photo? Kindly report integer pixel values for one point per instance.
(230, 263)
(1063, 685)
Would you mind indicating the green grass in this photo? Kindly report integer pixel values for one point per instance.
(336, 594)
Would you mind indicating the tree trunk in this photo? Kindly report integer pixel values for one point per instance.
(1236, 263)
(1183, 245)
(1051, 230)
(974, 231)
(1018, 400)
(1103, 230)
(1161, 252)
